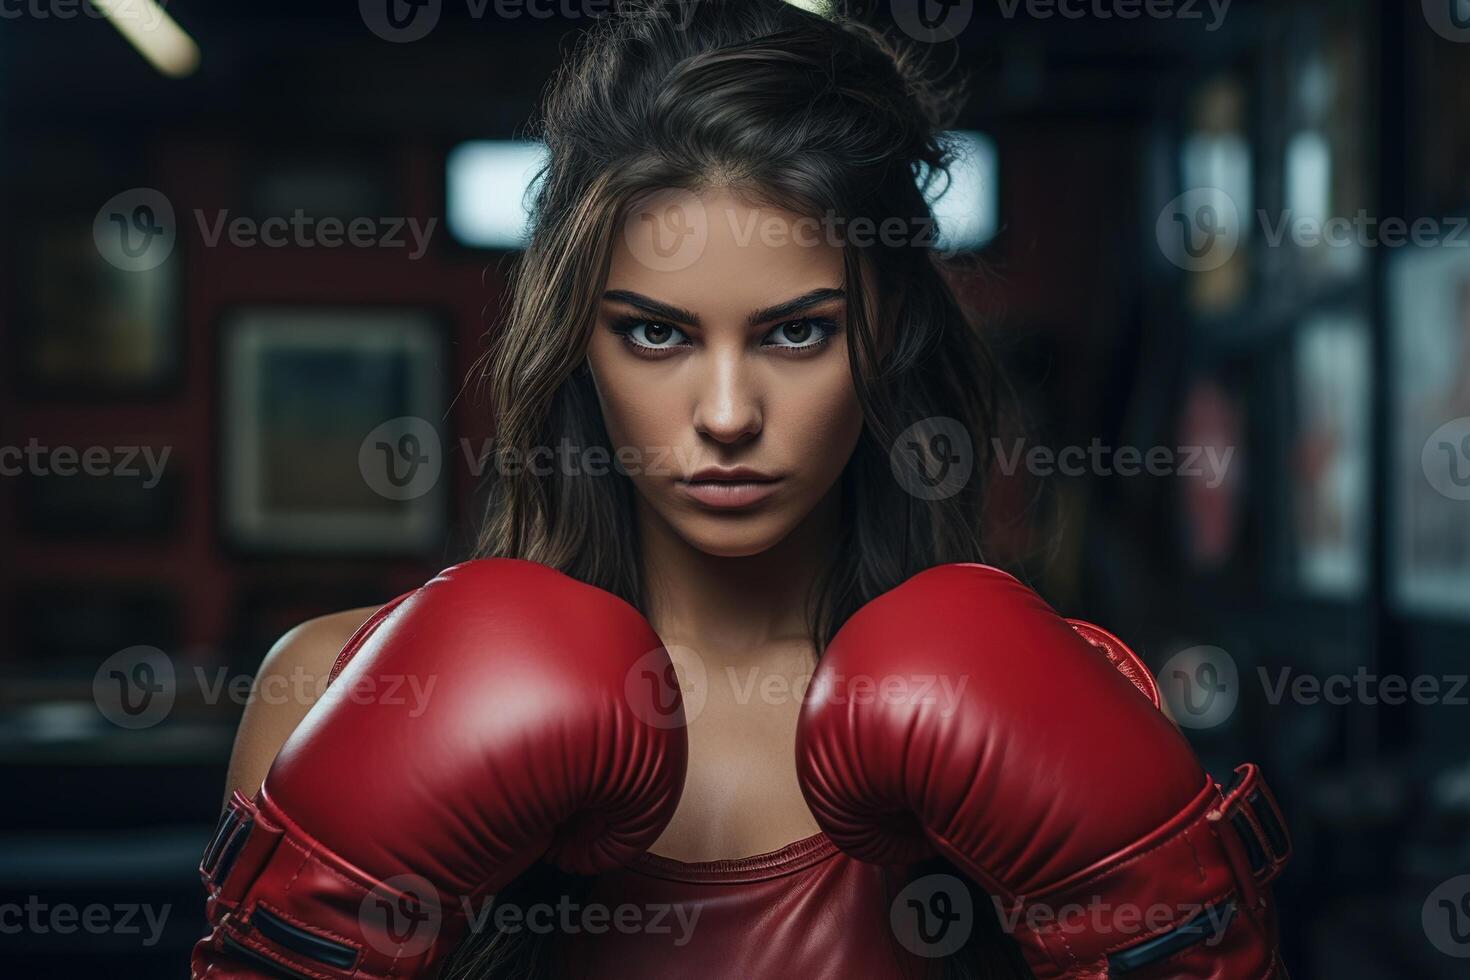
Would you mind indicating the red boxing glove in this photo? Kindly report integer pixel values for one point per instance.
(1036, 767)
(501, 713)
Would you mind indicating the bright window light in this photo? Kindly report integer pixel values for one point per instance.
(488, 191)
(488, 185)
(967, 206)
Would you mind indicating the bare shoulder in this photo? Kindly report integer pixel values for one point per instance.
(291, 678)
(316, 642)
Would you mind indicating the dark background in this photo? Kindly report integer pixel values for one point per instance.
(1316, 370)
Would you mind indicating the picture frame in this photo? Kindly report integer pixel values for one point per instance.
(1329, 452)
(331, 430)
(1429, 426)
(89, 329)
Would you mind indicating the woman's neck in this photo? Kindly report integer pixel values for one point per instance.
(735, 607)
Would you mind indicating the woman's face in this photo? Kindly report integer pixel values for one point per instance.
(720, 360)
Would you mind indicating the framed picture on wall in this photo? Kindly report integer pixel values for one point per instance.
(1328, 454)
(1211, 501)
(330, 430)
(88, 327)
(1430, 428)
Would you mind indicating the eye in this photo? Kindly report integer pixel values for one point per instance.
(650, 334)
(803, 334)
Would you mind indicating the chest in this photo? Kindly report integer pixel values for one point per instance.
(741, 795)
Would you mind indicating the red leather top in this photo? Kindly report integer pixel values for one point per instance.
(806, 911)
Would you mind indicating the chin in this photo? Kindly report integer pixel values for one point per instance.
(732, 536)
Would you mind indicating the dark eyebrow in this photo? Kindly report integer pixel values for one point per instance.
(781, 310)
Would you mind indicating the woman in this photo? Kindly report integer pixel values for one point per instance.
(734, 391)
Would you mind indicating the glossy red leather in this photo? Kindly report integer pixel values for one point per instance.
(393, 808)
(806, 911)
(1049, 779)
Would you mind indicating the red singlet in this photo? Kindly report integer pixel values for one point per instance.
(806, 911)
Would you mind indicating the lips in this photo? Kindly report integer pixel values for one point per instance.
(729, 488)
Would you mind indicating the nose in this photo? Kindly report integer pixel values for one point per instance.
(728, 406)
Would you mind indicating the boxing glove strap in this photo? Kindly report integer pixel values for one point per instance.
(1198, 880)
(1252, 810)
(229, 835)
(276, 895)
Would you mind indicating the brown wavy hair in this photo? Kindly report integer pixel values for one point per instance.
(818, 115)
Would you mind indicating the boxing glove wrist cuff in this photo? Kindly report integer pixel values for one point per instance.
(277, 895)
(1198, 881)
